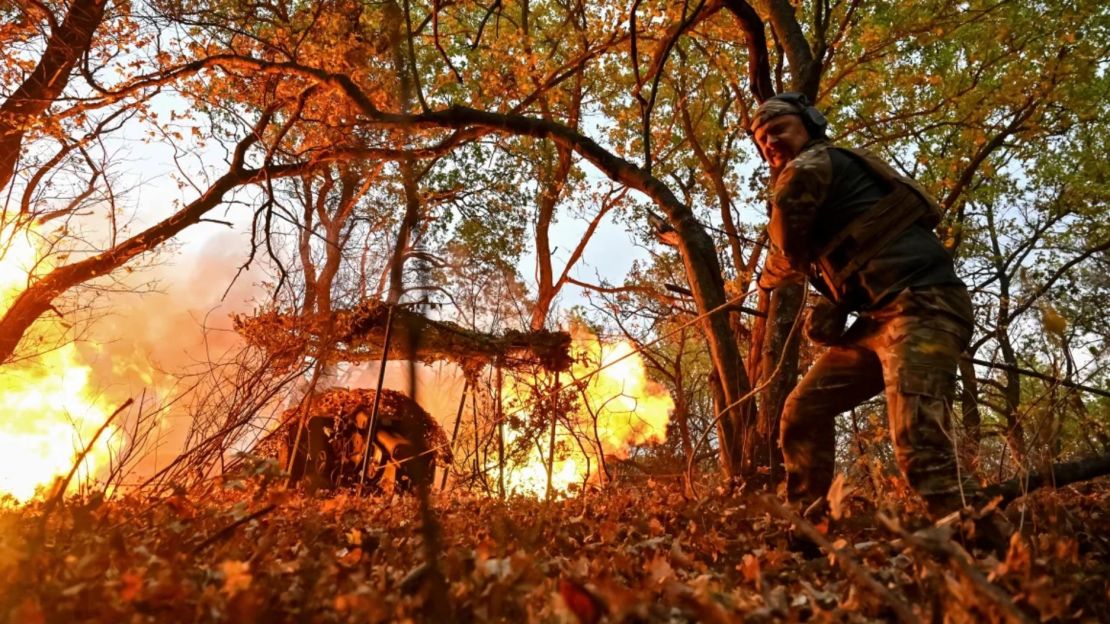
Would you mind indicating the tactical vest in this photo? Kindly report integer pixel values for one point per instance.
(873, 231)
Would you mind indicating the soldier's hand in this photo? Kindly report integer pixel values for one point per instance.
(777, 271)
(825, 323)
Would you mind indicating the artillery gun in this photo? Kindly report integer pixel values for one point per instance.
(407, 441)
(331, 446)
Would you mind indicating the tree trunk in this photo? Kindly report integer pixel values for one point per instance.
(1011, 393)
(1015, 434)
(779, 370)
(64, 49)
(972, 420)
(806, 68)
(550, 191)
(1058, 475)
(682, 419)
(725, 430)
(681, 407)
(758, 335)
(500, 415)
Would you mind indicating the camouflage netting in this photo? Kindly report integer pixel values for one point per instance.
(331, 448)
(358, 335)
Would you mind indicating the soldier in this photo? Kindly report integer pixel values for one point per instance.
(863, 235)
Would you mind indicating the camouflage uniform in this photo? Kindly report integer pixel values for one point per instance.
(909, 347)
(915, 320)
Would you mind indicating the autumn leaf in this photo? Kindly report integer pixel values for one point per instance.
(1054, 322)
(586, 606)
(130, 584)
(749, 568)
(354, 537)
(838, 496)
(660, 570)
(237, 576)
(350, 558)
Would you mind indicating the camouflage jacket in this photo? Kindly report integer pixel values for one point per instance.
(818, 194)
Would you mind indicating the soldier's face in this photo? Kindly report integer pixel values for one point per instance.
(782, 139)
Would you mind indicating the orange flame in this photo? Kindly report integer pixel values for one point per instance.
(618, 408)
(46, 414)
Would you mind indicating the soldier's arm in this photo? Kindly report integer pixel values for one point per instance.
(799, 192)
(777, 271)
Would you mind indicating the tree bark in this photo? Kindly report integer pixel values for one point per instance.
(972, 421)
(1057, 475)
(65, 46)
(759, 62)
(780, 358)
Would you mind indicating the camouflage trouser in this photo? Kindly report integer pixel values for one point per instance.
(911, 348)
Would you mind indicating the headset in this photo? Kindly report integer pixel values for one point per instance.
(815, 122)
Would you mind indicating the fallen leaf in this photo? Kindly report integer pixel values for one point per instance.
(354, 537)
(587, 607)
(130, 584)
(660, 570)
(838, 497)
(749, 568)
(237, 576)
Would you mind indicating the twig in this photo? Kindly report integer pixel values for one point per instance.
(64, 485)
(455, 433)
(371, 425)
(843, 559)
(229, 529)
(217, 221)
(954, 554)
(1043, 377)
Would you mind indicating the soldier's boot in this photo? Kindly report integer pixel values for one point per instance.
(993, 531)
(814, 509)
(817, 515)
(979, 525)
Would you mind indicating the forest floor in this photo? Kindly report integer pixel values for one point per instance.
(247, 550)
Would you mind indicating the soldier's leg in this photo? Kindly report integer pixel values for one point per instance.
(920, 348)
(842, 378)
